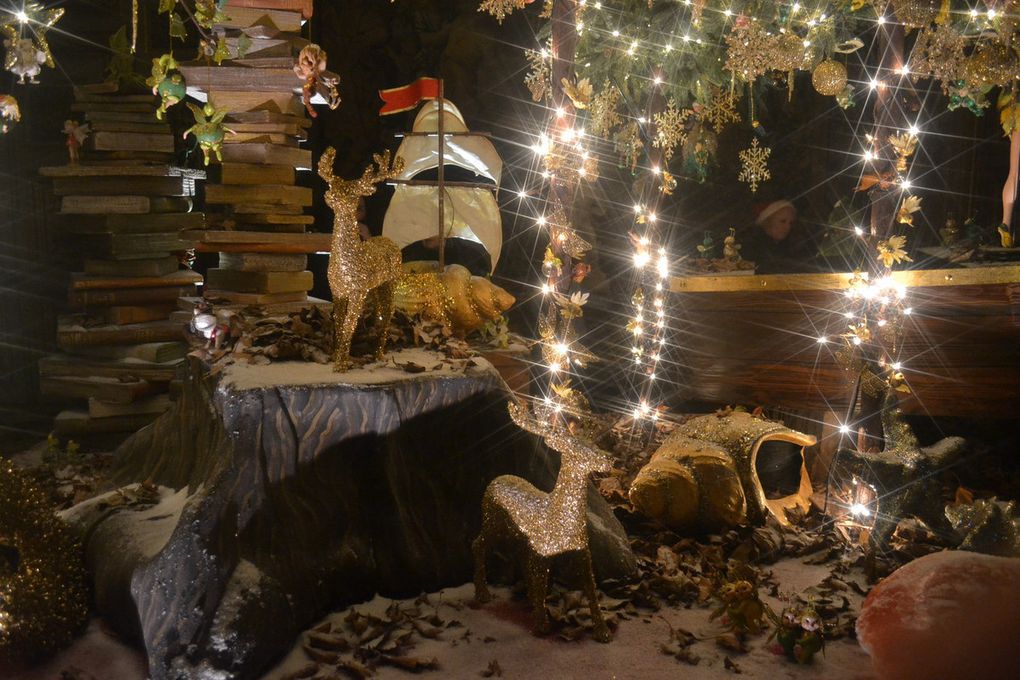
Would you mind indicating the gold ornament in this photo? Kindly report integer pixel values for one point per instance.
(788, 53)
(754, 165)
(356, 266)
(697, 9)
(747, 52)
(453, 298)
(501, 9)
(627, 142)
(10, 113)
(915, 13)
(670, 128)
(602, 115)
(992, 63)
(542, 526)
(24, 33)
(829, 78)
(43, 596)
(939, 53)
(909, 206)
(722, 110)
(539, 72)
(904, 144)
(892, 251)
(579, 93)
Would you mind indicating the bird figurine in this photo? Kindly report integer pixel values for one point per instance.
(743, 609)
(731, 249)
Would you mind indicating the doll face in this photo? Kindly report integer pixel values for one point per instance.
(780, 223)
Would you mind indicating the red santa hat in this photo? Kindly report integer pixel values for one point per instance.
(763, 211)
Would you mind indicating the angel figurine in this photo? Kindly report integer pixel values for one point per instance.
(76, 133)
(25, 59)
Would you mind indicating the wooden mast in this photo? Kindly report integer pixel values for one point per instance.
(442, 188)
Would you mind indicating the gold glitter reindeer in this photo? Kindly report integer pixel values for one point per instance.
(543, 526)
(356, 266)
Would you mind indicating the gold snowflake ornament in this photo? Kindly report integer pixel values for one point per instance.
(539, 72)
(748, 47)
(501, 9)
(602, 115)
(754, 165)
(670, 128)
(722, 110)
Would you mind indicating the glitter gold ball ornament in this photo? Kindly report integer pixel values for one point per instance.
(355, 266)
(915, 13)
(829, 78)
(542, 526)
(787, 52)
(992, 64)
(43, 597)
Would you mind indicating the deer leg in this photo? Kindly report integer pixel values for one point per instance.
(385, 301)
(600, 631)
(340, 355)
(537, 580)
(482, 593)
(350, 323)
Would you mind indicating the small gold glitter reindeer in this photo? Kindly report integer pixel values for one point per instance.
(356, 266)
(542, 526)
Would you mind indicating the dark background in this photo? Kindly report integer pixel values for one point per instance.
(372, 44)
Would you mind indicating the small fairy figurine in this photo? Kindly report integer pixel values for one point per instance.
(310, 65)
(166, 81)
(208, 130)
(76, 134)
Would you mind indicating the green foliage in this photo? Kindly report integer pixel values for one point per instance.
(121, 67)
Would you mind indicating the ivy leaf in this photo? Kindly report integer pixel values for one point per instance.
(166, 6)
(221, 52)
(177, 29)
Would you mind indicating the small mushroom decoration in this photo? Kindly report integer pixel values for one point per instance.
(166, 81)
(208, 130)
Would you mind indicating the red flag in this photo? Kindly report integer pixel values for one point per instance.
(404, 98)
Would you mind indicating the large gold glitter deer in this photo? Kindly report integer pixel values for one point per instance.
(542, 526)
(356, 266)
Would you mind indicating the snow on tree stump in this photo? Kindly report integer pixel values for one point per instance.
(287, 489)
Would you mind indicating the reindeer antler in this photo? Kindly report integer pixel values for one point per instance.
(326, 165)
(381, 169)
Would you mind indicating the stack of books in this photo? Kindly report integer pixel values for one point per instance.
(123, 208)
(256, 212)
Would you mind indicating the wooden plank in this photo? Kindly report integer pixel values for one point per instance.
(78, 423)
(275, 219)
(137, 169)
(132, 268)
(259, 208)
(92, 205)
(121, 315)
(268, 117)
(116, 126)
(237, 298)
(111, 186)
(262, 138)
(158, 353)
(265, 193)
(113, 105)
(65, 365)
(237, 101)
(140, 246)
(154, 405)
(107, 389)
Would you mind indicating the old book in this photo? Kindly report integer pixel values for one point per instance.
(262, 137)
(155, 404)
(117, 126)
(79, 423)
(235, 298)
(70, 336)
(241, 17)
(236, 241)
(66, 365)
(84, 169)
(259, 282)
(291, 129)
(263, 262)
(274, 218)
(132, 224)
(266, 116)
(238, 101)
(171, 279)
(132, 268)
(131, 141)
(147, 352)
(105, 87)
(263, 193)
(122, 116)
(107, 389)
(272, 228)
(241, 78)
(125, 314)
(259, 46)
(114, 104)
(110, 297)
(268, 153)
(303, 6)
(127, 245)
(105, 204)
(112, 186)
(255, 208)
(250, 173)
